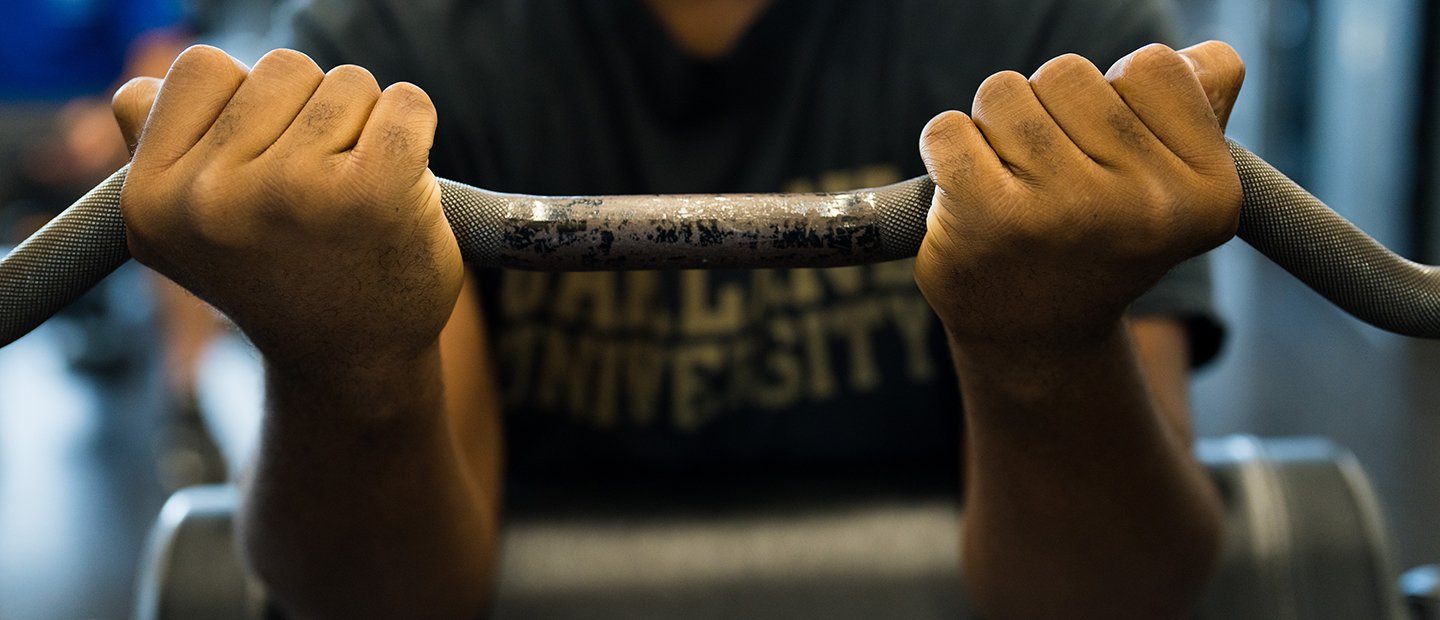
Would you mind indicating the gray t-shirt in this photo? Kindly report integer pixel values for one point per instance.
(764, 368)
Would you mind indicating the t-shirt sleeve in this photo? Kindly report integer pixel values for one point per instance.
(1185, 294)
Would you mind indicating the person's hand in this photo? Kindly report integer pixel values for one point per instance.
(1071, 193)
(298, 202)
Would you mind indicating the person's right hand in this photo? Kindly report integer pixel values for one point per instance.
(1070, 193)
(297, 202)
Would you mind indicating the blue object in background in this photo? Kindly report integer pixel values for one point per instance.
(53, 50)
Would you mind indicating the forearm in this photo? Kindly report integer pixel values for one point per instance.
(360, 505)
(300, 203)
(1074, 480)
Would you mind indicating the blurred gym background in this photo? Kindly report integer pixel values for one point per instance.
(1343, 95)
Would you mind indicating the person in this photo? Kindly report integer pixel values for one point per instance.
(303, 205)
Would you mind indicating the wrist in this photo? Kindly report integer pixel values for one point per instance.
(370, 384)
(1027, 342)
(1030, 369)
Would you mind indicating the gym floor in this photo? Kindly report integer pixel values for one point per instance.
(78, 483)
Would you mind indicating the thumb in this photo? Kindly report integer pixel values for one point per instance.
(131, 105)
(1221, 73)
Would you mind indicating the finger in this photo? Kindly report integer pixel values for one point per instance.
(399, 133)
(958, 158)
(131, 105)
(265, 105)
(1158, 85)
(199, 84)
(1019, 129)
(335, 115)
(1221, 73)
(1091, 113)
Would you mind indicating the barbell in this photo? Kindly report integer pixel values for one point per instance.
(565, 233)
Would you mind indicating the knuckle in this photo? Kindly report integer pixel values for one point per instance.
(134, 88)
(1129, 130)
(945, 128)
(1066, 68)
(1158, 57)
(399, 140)
(945, 151)
(207, 188)
(996, 99)
(1163, 215)
(223, 207)
(203, 60)
(319, 120)
(199, 53)
(405, 121)
(288, 62)
(353, 75)
(952, 168)
(410, 97)
(1230, 62)
(1002, 85)
(134, 98)
(1152, 192)
(1223, 51)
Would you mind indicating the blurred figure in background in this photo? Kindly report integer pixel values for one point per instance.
(63, 60)
(60, 62)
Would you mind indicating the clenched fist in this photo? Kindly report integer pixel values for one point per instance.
(296, 201)
(1069, 194)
